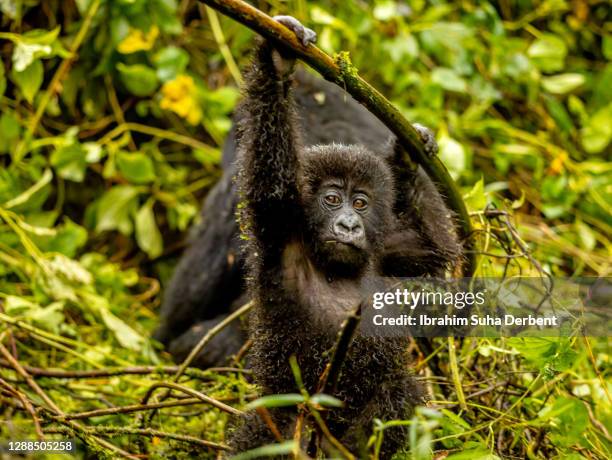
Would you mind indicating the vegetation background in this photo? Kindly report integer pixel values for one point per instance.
(112, 114)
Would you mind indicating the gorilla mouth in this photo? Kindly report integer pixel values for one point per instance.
(344, 243)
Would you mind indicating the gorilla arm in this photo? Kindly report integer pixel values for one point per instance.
(425, 241)
(268, 142)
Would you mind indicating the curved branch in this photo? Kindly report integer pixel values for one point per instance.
(340, 71)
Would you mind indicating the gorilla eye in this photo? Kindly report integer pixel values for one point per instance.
(332, 199)
(360, 204)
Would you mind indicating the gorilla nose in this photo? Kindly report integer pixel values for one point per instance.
(348, 226)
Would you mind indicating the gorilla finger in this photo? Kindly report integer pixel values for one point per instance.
(428, 138)
(304, 34)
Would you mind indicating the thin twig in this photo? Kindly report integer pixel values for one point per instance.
(454, 366)
(190, 392)
(111, 372)
(26, 406)
(328, 381)
(217, 31)
(153, 131)
(209, 336)
(133, 408)
(29, 380)
(264, 413)
(116, 107)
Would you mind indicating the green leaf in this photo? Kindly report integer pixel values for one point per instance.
(136, 167)
(586, 236)
(15, 305)
(559, 113)
(478, 453)
(568, 418)
(33, 45)
(94, 152)
(29, 80)
(164, 12)
(452, 155)
(70, 161)
(448, 79)
(69, 238)
(31, 191)
(70, 269)
(49, 317)
(462, 425)
(115, 208)
(139, 79)
(564, 83)
(597, 133)
(476, 199)
(180, 215)
(326, 400)
(284, 400)
(548, 52)
(9, 131)
(147, 234)
(270, 450)
(385, 11)
(24, 54)
(125, 335)
(170, 62)
(41, 36)
(545, 352)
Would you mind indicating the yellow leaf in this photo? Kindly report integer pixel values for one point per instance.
(178, 95)
(136, 40)
(556, 166)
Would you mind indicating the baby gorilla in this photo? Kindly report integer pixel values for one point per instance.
(316, 220)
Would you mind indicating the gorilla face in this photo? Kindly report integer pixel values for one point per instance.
(346, 194)
(344, 226)
(341, 225)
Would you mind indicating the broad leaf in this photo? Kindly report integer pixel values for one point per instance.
(115, 208)
(147, 233)
(29, 80)
(139, 79)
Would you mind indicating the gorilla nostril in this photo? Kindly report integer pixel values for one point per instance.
(348, 226)
(342, 227)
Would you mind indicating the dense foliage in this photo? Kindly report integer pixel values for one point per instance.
(112, 114)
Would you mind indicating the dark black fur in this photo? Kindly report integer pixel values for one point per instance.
(306, 274)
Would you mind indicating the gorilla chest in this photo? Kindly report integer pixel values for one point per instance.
(319, 299)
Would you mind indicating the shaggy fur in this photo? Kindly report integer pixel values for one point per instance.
(302, 289)
(209, 281)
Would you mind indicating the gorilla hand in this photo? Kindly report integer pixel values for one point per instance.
(284, 62)
(306, 35)
(428, 138)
